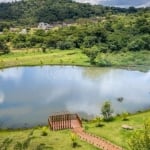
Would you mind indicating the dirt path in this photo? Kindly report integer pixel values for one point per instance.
(94, 140)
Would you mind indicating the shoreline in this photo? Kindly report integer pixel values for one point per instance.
(30, 58)
(42, 125)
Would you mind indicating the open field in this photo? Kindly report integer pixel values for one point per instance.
(34, 57)
(33, 140)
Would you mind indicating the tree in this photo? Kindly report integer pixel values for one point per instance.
(107, 110)
(4, 48)
(140, 139)
(91, 53)
(43, 48)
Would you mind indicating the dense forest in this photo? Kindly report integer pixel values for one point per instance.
(30, 12)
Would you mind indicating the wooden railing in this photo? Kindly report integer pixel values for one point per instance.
(63, 121)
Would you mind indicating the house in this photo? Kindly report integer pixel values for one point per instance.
(44, 26)
(23, 31)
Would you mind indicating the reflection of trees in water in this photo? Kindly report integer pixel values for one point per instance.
(94, 72)
(120, 99)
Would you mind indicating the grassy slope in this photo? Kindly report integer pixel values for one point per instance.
(29, 58)
(59, 140)
(113, 130)
(72, 57)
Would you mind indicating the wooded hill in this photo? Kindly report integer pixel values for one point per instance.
(30, 12)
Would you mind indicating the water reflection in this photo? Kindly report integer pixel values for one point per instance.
(14, 74)
(1, 97)
(29, 94)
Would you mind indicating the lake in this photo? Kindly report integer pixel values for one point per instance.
(28, 95)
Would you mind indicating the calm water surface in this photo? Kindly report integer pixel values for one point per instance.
(28, 95)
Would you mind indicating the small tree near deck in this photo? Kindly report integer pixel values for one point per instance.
(107, 110)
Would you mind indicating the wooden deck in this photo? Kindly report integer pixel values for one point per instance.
(61, 121)
(64, 121)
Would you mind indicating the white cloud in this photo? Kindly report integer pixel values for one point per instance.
(8, 1)
(89, 1)
(118, 3)
(11, 73)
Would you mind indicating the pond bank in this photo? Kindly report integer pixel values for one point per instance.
(129, 60)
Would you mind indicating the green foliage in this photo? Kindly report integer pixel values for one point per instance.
(140, 139)
(91, 53)
(99, 121)
(43, 48)
(116, 33)
(64, 45)
(136, 45)
(74, 140)
(107, 111)
(124, 116)
(44, 131)
(4, 49)
(31, 11)
(41, 146)
(5, 144)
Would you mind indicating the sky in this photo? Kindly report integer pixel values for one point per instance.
(118, 3)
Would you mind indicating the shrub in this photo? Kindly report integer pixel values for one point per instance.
(74, 140)
(107, 111)
(44, 131)
(124, 116)
(140, 139)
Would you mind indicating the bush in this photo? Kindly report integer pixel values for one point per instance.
(136, 45)
(124, 116)
(74, 140)
(140, 139)
(99, 122)
(91, 53)
(64, 45)
(44, 131)
(4, 48)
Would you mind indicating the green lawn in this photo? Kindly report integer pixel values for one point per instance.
(56, 140)
(52, 57)
(113, 131)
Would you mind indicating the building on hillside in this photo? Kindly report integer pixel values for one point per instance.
(23, 31)
(14, 29)
(44, 26)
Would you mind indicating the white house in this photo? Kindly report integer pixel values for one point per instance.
(44, 26)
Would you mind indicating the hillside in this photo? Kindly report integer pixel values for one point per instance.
(31, 11)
